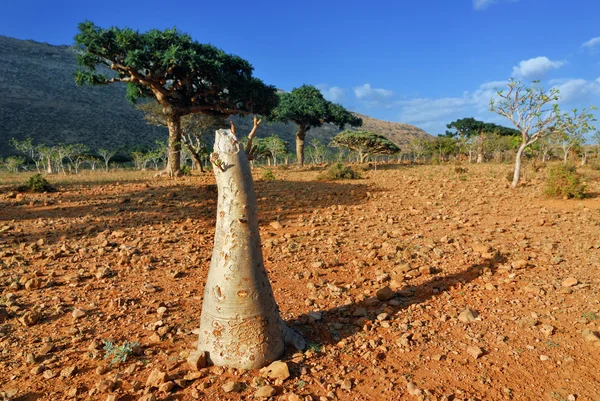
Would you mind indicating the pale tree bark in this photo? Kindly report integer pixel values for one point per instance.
(240, 325)
(517, 172)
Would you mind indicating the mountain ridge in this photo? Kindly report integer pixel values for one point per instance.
(40, 100)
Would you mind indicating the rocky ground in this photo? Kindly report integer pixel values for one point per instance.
(413, 283)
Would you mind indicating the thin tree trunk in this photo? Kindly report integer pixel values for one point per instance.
(240, 325)
(300, 135)
(174, 158)
(517, 173)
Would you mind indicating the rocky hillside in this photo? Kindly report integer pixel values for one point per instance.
(39, 99)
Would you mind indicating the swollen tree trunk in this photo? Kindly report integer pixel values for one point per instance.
(479, 157)
(240, 324)
(300, 135)
(174, 161)
(517, 173)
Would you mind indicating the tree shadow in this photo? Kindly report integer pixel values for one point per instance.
(85, 213)
(316, 331)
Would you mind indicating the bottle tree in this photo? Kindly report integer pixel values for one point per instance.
(182, 75)
(240, 325)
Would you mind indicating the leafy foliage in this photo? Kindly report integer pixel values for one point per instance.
(338, 171)
(119, 353)
(365, 143)
(564, 181)
(307, 107)
(169, 65)
(268, 175)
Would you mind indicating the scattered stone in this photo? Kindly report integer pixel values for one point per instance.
(467, 316)
(590, 336)
(265, 391)
(360, 312)
(276, 370)
(49, 374)
(29, 318)
(231, 386)
(570, 282)
(104, 386)
(385, 294)
(544, 358)
(166, 387)
(519, 264)
(147, 397)
(72, 392)
(547, 329)
(346, 385)
(474, 351)
(197, 360)
(68, 372)
(36, 370)
(276, 225)
(78, 313)
(413, 389)
(156, 378)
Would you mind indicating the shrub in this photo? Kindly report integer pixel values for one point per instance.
(36, 183)
(119, 353)
(268, 175)
(338, 171)
(564, 181)
(186, 170)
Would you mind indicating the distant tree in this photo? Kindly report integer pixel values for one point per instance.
(76, 154)
(444, 146)
(275, 146)
(14, 163)
(365, 143)
(572, 128)
(318, 151)
(92, 161)
(307, 107)
(419, 147)
(106, 155)
(184, 76)
(596, 141)
(531, 110)
(27, 147)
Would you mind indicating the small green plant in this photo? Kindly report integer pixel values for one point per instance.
(338, 171)
(186, 170)
(301, 383)
(314, 347)
(564, 181)
(268, 175)
(119, 353)
(591, 316)
(36, 183)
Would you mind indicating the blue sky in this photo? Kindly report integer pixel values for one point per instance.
(422, 62)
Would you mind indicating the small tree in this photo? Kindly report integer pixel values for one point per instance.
(76, 154)
(531, 110)
(184, 76)
(26, 146)
(365, 143)
(106, 155)
(275, 146)
(307, 107)
(572, 128)
(14, 163)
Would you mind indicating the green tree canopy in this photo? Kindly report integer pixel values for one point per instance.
(184, 76)
(365, 143)
(307, 107)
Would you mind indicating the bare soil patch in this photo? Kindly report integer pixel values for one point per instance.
(412, 283)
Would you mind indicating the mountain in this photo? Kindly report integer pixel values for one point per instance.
(39, 99)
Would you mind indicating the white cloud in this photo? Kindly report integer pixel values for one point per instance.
(536, 68)
(593, 42)
(332, 93)
(482, 4)
(366, 92)
(576, 90)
